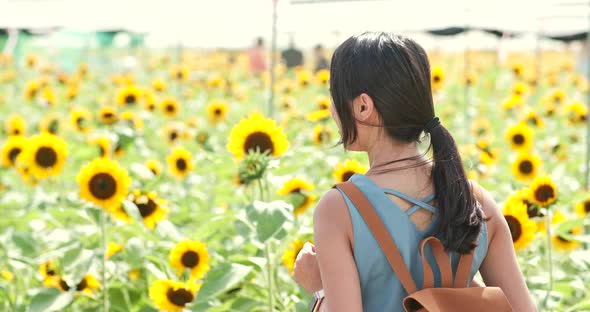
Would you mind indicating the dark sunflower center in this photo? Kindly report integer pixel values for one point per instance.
(103, 152)
(179, 297)
(173, 135)
(53, 126)
(102, 186)
(258, 141)
(82, 285)
(46, 157)
(13, 153)
(146, 206)
(518, 139)
(181, 164)
(587, 206)
(50, 272)
(179, 75)
(16, 131)
(526, 167)
(217, 112)
(190, 259)
(436, 78)
(533, 211)
(130, 99)
(544, 193)
(107, 115)
(515, 227)
(323, 136)
(63, 285)
(170, 108)
(80, 122)
(347, 175)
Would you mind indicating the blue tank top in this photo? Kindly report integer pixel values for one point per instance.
(381, 290)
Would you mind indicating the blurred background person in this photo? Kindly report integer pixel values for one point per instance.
(292, 57)
(257, 57)
(321, 62)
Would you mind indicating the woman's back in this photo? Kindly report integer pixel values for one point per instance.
(381, 290)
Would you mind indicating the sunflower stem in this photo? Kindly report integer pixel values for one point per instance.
(269, 266)
(103, 234)
(260, 189)
(549, 257)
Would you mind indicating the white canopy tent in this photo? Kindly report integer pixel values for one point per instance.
(235, 23)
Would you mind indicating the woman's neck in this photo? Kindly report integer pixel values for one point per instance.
(386, 150)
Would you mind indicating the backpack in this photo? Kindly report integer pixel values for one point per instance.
(452, 295)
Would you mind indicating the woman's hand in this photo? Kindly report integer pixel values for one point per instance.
(306, 271)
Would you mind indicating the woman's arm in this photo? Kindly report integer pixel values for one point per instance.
(332, 235)
(500, 267)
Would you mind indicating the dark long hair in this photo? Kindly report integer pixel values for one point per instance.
(394, 71)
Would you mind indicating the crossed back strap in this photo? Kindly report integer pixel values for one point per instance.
(389, 248)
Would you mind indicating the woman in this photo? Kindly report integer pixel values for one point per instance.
(382, 104)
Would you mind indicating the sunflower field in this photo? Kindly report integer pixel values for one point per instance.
(171, 185)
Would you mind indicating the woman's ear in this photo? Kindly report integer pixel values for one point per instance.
(363, 107)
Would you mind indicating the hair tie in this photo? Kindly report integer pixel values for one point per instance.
(435, 122)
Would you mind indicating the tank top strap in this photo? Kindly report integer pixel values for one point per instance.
(418, 203)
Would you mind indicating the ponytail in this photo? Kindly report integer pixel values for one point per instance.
(459, 215)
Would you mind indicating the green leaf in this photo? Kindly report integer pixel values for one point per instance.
(132, 210)
(81, 264)
(201, 306)
(154, 270)
(563, 228)
(24, 241)
(220, 278)
(50, 299)
(268, 218)
(245, 304)
(134, 252)
(93, 213)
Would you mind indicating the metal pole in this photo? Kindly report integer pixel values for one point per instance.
(586, 177)
(272, 59)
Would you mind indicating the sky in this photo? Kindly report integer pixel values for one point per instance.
(235, 23)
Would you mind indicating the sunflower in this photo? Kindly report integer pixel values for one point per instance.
(319, 115)
(50, 124)
(15, 125)
(524, 196)
(11, 149)
(560, 241)
(323, 102)
(154, 166)
(24, 171)
(291, 253)
(48, 97)
(72, 92)
(526, 166)
(104, 183)
(179, 72)
(321, 135)
(481, 127)
(215, 81)
(150, 101)
(104, 146)
(519, 89)
(107, 115)
(129, 95)
(512, 101)
(346, 169)
(172, 132)
(202, 137)
(49, 273)
(295, 189)
(32, 89)
(520, 137)
(544, 191)
(132, 119)
(159, 85)
(437, 77)
(112, 249)
(257, 133)
(470, 79)
(134, 274)
(583, 208)
(173, 296)
(287, 87)
(303, 78)
(557, 97)
(191, 255)
(170, 106)
(287, 103)
(179, 162)
(151, 208)
(44, 155)
(323, 76)
(217, 111)
(577, 113)
(488, 156)
(518, 69)
(521, 227)
(87, 285)
(79, 118)
(7, 275)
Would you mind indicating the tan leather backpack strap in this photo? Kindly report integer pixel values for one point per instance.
(463, 270)
(442, 259)
(381, 234)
